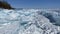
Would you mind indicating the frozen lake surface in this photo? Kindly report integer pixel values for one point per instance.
(30, 21)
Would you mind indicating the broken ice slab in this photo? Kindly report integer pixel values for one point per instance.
(8, 24)
(9, 28)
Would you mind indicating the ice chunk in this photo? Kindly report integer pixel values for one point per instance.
(7, 26)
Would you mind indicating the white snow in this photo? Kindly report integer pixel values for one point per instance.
(29, 21)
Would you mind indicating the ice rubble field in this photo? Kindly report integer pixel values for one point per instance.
(29, 21)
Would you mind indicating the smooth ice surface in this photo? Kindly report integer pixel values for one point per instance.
(30, 21)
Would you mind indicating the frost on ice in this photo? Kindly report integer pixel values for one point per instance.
(29, 21)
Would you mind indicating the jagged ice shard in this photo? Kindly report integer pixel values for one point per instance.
(29, 21)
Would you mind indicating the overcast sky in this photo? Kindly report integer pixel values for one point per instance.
(34, 3)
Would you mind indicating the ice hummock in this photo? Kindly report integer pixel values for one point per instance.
(29, 21)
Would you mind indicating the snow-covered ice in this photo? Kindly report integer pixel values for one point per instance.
(29, 21)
